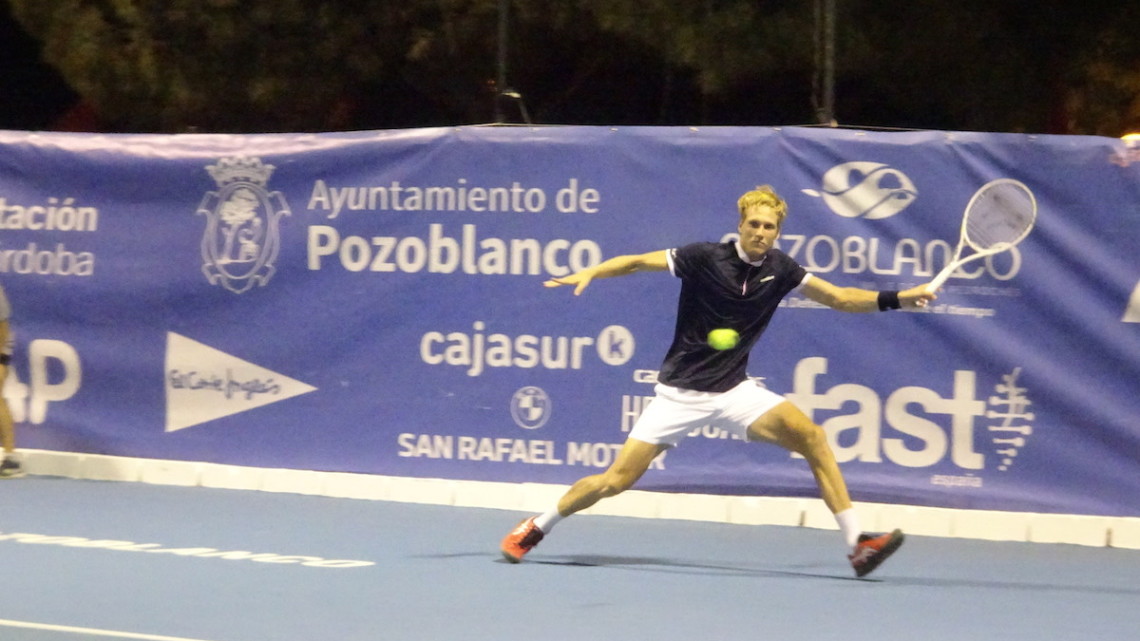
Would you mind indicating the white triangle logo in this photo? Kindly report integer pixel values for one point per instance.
(203, 384)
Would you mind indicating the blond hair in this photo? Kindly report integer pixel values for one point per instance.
(763, 195)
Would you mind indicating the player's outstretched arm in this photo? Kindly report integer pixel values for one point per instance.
(616, 266)
(854, 299)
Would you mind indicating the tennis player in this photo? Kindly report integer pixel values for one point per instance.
(738, 286)
(9, 467)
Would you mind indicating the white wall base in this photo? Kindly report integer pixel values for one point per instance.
(1117, 532)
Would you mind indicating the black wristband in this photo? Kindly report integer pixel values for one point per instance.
(888, 300)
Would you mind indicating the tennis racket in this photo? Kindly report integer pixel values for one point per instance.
(999, 216)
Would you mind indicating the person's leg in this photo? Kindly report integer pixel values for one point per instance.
(785, 425)
(9, 467)
(7, 426)
(631, 462)
(672, 414)
(664, 423)
(7, 431)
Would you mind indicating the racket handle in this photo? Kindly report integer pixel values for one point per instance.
(940, 279)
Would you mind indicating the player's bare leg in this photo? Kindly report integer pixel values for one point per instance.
(631, 463)
(786, 426)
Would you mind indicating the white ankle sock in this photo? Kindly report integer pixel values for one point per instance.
(548, 520)
(849, 524)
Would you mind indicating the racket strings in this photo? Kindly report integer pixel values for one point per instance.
(1001, 217)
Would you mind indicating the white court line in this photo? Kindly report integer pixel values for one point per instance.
(90, 631)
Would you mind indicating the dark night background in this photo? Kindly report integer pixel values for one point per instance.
(32, 94)
(1049, 66)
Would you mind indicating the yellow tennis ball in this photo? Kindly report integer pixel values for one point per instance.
(723, 338)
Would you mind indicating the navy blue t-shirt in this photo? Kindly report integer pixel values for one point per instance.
(718, 289)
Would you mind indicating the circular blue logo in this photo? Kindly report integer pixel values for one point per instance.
(530, 407)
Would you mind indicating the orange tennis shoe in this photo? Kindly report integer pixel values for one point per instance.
(872, 550)
(520, 540)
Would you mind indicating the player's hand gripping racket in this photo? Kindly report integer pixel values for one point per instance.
(999, 216)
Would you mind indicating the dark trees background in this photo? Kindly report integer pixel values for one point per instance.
(1048, 66)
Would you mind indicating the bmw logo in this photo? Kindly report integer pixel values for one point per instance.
(530, 407)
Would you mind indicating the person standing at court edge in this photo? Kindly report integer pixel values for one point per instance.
(737, 286)
(10, 467)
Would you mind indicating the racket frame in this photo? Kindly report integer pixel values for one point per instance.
(957, 261)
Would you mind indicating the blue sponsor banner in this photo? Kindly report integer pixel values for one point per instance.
(372, 302)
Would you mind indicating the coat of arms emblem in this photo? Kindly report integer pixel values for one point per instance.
(242, 237)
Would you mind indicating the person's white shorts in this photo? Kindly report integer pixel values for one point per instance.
(674, 413)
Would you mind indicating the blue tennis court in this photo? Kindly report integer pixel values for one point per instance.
(87, 560)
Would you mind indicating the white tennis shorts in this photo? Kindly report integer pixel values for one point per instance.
(675, 412)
